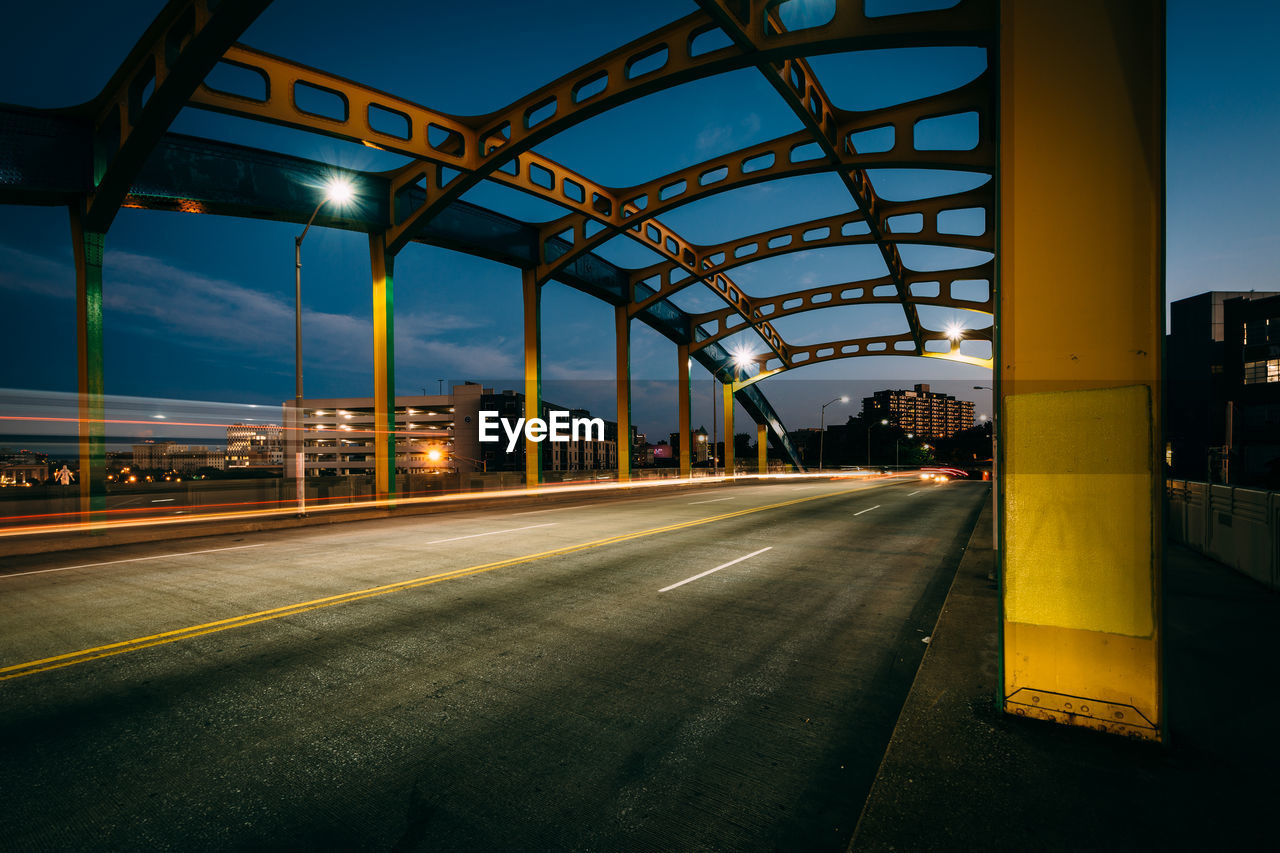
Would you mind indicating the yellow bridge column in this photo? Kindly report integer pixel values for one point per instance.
(684, 392)
(762, 449)
(87, 248)
(728, 429)
(622, 336)
(532, 374)
(384, 370)
(1080, 328)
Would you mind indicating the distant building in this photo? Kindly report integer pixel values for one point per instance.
(192, 459)
(434, 433)
(641, 450)
(23, 473)
(580, 455)
(23, 467)
(170, 456)
(338, 434)
(925, 413)
(255, 445)
(1222, 389)
(701, 445)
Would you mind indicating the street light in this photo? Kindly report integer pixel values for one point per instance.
(995, 480)
(883, 422)
(897, 461)
(742, 358)
(822, 426)
(338, 191)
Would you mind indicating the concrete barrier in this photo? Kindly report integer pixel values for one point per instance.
(1237, 527)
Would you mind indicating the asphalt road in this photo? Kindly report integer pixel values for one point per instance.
(568, 678)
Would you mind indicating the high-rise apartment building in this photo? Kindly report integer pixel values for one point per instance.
(925, 413)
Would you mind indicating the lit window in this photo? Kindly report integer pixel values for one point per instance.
(1258, 372)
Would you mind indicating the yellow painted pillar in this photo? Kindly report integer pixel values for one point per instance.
(532, 374)
(1080, 328)
(762, 449)
(384, 370)
(684, 366)
(728, 429)
(622, 337)
(87, 249)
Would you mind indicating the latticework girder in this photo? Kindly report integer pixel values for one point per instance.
(452, 153)
(449, 154)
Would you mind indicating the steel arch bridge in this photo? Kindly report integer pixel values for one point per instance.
(1086, 135)
(136, 162)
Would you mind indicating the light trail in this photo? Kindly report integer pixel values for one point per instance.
(282, 508)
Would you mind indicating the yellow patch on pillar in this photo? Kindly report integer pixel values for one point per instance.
(1077, 503)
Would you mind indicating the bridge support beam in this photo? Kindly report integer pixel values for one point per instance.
(684, 390)
(728, 429)
(762, 449)
(87, 246)
(532, 374)
(1079, 362)
(622, 337)
(382, 264)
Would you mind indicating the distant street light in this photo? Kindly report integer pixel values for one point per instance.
(822, 426)
(883, 422)
(995, 482)
(897, 461)
(338, 191)
(955, 330)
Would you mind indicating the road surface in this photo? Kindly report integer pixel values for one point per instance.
(717, 669)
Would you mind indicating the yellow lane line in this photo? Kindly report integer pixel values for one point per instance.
(97, 652)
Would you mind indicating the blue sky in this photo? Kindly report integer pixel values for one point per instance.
(200, 307)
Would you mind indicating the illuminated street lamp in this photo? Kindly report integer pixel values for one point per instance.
(869, 425)
(897, 462)
(954, 330)
(338, 191)
(822, 425)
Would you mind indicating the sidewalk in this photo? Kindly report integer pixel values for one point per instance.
(960, 776)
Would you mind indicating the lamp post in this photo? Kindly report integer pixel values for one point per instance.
(742, 358)
(715, 456)
(337, 191)
(869, 425)
(995, 481)
(897, 446)
(822, 426)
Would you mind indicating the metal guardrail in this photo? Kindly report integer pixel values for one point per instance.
(1237, 527)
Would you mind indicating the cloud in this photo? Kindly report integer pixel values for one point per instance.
(157, 297)
(24, 271)
(717, 138)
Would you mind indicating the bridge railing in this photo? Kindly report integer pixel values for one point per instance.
(1235, 526)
